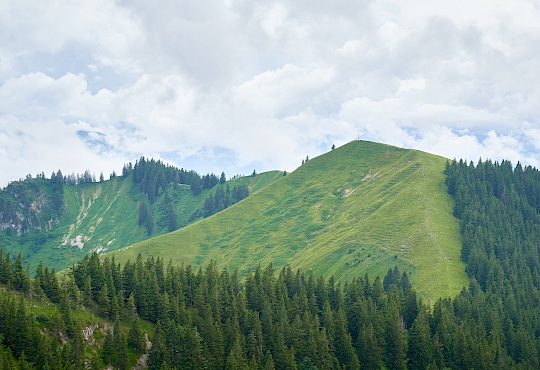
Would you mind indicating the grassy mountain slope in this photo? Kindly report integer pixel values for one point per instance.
(104, 217)
(362, 208)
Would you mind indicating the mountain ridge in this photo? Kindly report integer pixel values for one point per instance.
(93, 216)
(362, 208)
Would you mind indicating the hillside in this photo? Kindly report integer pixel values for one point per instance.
(362, 208)
(104, 313)
(96, 216)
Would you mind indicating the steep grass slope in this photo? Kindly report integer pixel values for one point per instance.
(362, 208)
(104, 217)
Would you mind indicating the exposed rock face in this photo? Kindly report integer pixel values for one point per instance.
(28, 205)
(142, 363)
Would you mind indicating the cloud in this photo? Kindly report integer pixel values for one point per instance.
(263, 83)
(33, 148)
(35, 34)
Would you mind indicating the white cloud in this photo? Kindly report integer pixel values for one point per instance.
(266, 83)
(411, 84)
(532, 133)
(35, 147)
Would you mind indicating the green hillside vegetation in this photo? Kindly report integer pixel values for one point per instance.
(99, 216)
(362, 208)
(103, 313)
(48, 323)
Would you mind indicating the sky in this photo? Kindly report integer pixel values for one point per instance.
(241, 85)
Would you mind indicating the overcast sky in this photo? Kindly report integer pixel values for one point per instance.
(237, 85)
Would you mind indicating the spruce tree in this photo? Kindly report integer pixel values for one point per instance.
(395, 339)
(135, 340)
(419, 350)
(307, 364)
(269, 362)
(158, 353)
(369, 350)
(104, 301)
(21, 281)
(236, 358)
(143, 211)
(343, 343)
(195, 184)
(173, 222)
(87, 292)
(149, 223)
(120, 347)
(108, 351)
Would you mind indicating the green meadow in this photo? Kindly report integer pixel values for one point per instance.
(361, 208)
(104, 216)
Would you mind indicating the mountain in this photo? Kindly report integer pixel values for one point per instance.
(48, 220)
(214, 318)
(362, 208)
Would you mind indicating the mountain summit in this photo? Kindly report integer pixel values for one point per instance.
(362, 208)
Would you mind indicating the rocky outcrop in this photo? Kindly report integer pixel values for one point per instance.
(28, 205)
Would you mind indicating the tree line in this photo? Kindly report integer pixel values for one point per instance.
(212, 318)
(152, 179)
(499, 210)
(224, 198)
(153, 176)
(37, 341)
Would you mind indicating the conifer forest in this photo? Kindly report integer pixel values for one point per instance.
(164, 316)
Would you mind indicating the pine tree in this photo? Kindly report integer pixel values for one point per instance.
(87, 292)
(108, 354)
(21, 281)
(173, 222)
(213, 338)
(419, 350)
(135, 340)
(149, 223)
(104, 301)
(51, 286)
(143, 211)
(131, 307)
(410, 307)
(307, 364)
(6, 273)
(269, 362)
(198, 356)
(115, 308)
(21, 335)
(195, 184)
(369, 350)
(77, 346)
(120, 347)
(158, 353)
(395, 339)
(392, 277)
(404, 283)
(343, 343)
